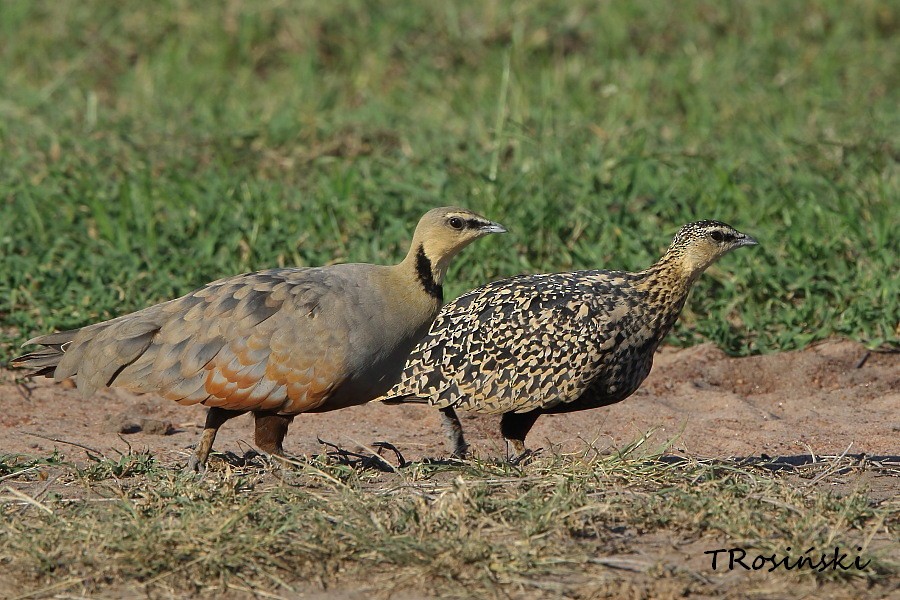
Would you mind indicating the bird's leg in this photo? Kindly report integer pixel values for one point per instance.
(270, 431)
(215, 418)
(514, 427)
(453, 430)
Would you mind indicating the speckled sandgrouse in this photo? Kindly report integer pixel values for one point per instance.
(554, 343)
(276, 343)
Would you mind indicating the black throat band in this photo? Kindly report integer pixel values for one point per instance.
(423, 271)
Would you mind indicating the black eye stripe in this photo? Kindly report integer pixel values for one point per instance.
(470, 223)
(721, 236)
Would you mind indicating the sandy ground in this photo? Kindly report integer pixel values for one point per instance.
(824, 400)
(794, 407)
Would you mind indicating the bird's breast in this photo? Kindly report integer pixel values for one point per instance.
(378, 354)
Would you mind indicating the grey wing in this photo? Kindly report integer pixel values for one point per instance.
(256, 341)
(266, 341)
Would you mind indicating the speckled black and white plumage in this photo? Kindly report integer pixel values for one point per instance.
(561, 342)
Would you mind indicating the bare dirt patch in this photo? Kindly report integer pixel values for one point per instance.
(626, 538)
(823, 400)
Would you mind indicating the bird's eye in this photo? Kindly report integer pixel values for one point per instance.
(717, 236)
(456, 223)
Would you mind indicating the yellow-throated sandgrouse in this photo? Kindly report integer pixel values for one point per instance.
(554, 343)
(276, 343)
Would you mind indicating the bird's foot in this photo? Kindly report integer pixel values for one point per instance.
(459, 455)
(460, 452)
(194, 466)
(525, 457)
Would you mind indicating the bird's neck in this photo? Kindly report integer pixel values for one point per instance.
(676, 270)
(428, 273)
(666, 285)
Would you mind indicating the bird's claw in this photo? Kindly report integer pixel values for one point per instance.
(194, 466)
(525, 457)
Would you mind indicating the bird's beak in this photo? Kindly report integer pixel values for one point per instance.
(492, 227)
(748, 241)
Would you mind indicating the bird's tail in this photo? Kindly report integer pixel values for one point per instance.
(43, 362)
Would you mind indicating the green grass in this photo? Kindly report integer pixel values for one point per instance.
(147, 150)
(579, 524)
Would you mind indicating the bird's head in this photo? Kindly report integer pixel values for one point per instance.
(443, 232)
(697, 245)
